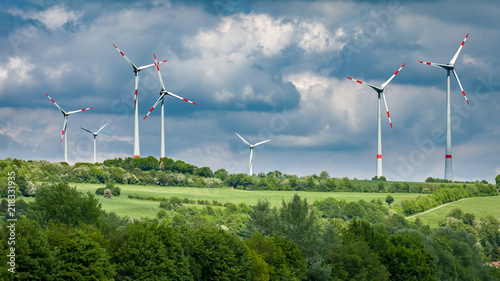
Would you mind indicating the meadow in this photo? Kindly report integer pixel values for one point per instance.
(481, 207)
(136, 208)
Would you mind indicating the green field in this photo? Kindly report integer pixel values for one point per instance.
(135, 208)
(479, 206)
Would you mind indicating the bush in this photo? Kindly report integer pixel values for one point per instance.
(115, 190)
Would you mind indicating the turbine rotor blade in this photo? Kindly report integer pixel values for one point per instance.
(86, 130)
(387, 109)
(149, 65)
(65, 124)
(60, 108)
(366, 84)
(129, 61)
(435, 64)
(156, 103)
(244, 140)
(179, 97)
(389, 80)
(80, 110)
(259, 143)
(136, 85)
(460, 84)
(454, 59)
(101, 128)
(159, 73)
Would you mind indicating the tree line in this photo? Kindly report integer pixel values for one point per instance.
(167, 172)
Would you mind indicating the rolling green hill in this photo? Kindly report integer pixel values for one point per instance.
(481, 207)
(135, 208)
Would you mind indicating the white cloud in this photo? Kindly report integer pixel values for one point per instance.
(244, 33)
(314, 37)
(16, 71)
(57, 16)
(53, 18)
(223, 96)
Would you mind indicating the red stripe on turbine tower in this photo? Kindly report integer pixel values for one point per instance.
(379, 155)
(448, 156)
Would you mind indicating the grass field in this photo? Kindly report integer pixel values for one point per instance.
(479, 206)
(135, 208)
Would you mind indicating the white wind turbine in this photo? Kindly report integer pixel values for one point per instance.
(380, 92)
(448, 168)
(65, 124)
(251, 146)
(136, 69)
(95, 136)
(163, 93)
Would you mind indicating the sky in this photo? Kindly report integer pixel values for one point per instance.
(264, 69)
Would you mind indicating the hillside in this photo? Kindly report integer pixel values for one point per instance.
(235, 226)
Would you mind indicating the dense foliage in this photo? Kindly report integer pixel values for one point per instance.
(65, 235)
(327, 240)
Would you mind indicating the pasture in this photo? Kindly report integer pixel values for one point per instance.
(479, 206)
(136, 208)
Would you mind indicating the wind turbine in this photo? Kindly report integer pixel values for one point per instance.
(95, 135)
(136, 100)
(65, 124)
(251, 146)
(448, 168)
(163, 93)
(380, 92)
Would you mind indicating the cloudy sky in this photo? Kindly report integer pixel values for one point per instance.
(264, 69)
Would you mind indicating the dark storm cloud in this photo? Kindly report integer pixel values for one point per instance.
(266, 69)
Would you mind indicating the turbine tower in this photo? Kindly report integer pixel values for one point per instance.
(95, 136)
(65, 124)
(380, 92)
(163, 93)
(251, 146)
(137, 152)
(449, 67)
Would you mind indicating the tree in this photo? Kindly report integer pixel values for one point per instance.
(497, 181)
(146, 163)
(35, 260)
(456, 213)
(204, 172)
(217, 255)
(221, 174)
(79, 256)
(61, 203)
(468, 218)
(354, 260)
(389, 199)
(107, 193)
(282, 257)
(409, 257)
(236, 180)
(116, 174)
(147, 251)
(324, 175)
